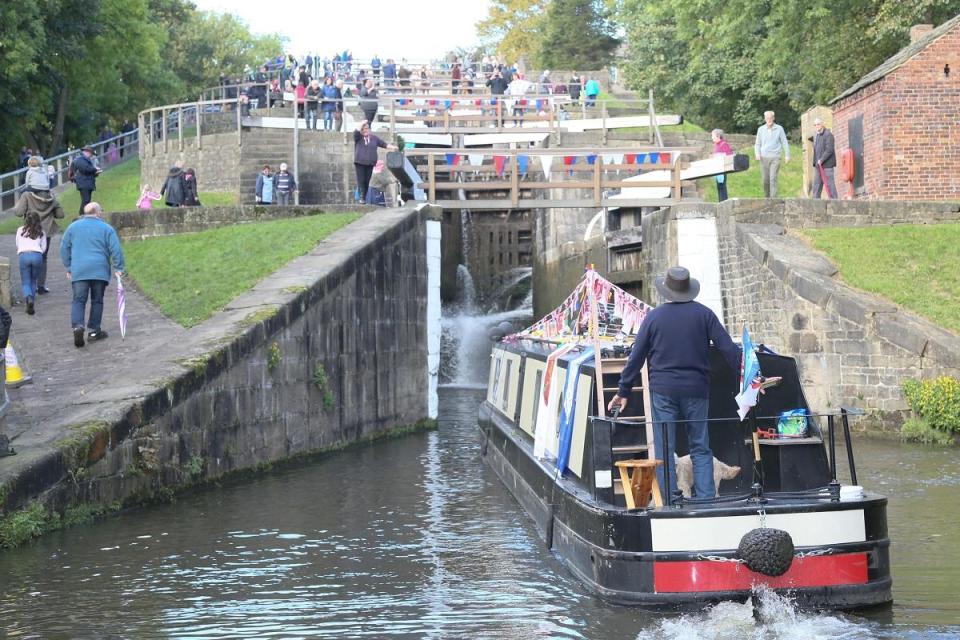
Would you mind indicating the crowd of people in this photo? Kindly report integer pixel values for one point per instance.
(89, 249)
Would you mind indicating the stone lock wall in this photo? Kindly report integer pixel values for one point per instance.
(852, 348)
(331, 349)
(216, 161)
(231, 162)
(169, 221)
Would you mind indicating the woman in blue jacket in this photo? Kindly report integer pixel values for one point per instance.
(329, 104)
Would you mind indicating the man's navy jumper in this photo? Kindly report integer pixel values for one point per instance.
(675, 340)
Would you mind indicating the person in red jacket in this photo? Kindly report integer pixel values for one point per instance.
(721, 146)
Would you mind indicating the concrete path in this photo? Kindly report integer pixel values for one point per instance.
(71, 385)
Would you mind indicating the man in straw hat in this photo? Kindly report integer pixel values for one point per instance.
(674, 340)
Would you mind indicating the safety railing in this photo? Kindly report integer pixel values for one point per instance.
(175, 123)
(474, 171)
(108, 152)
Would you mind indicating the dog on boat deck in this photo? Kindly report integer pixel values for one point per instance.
(721, 471)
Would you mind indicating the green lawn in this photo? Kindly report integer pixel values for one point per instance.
(193, 275)
(916, 266)
(746, 184)
(118, 189)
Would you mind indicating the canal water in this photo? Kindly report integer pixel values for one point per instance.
(415, 537)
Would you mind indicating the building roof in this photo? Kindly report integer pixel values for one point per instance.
(900, 58)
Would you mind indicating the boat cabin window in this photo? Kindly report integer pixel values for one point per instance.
(496, 380)
(506, 385)
(538, 381)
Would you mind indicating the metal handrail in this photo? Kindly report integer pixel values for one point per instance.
(125, 142)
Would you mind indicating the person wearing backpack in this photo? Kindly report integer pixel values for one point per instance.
(85, 174)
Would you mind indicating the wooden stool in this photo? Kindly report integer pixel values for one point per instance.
(639, 478)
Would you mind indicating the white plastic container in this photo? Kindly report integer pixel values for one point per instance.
(851, 492)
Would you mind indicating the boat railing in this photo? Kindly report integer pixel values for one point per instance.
(757, 494)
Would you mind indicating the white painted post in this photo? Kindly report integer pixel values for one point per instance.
(433, 232)
(296, 151)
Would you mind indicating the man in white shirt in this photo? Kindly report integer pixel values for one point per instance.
(771, 143)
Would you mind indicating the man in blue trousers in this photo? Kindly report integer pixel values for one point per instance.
(674, 340)
(90, 251)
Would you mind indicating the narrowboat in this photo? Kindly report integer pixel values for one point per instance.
(784, 522)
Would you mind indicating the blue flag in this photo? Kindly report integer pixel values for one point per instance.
(749, 372)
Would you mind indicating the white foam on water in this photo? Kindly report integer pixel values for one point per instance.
(779, 619)
(466, 343)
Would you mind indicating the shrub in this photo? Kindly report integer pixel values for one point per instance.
(937, 401)
(919, 430)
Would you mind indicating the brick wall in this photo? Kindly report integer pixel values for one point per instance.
(911, 137)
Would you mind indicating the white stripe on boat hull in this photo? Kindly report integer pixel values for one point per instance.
(811, 529)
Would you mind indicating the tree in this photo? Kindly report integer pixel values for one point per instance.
(513, 27)
(722, 63)
(576, 35)
(71, 67)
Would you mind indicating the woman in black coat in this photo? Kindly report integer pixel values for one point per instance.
(365, 146)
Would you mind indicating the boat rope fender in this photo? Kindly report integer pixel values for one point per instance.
(766, 550)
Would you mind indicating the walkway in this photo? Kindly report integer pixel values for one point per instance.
(70, 385)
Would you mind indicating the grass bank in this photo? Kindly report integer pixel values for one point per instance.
(118, 189)
(915, 266)
(193, 275)
(747, 184)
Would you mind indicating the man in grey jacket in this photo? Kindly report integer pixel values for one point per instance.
(771, 143)
(824, 160)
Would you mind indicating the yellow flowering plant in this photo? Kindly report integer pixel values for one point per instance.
(936, 401)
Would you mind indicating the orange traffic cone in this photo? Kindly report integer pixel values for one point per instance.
(15, 375)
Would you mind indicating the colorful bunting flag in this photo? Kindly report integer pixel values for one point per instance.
(591, 159)
(546, 162)
(654, 158)
(498, 163)
(523, 162)
(630, 158)
(665, 158)
(452, 159)
(641, 158)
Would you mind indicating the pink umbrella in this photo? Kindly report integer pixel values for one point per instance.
(121, 307)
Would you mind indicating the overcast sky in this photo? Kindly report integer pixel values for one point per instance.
(418, 30)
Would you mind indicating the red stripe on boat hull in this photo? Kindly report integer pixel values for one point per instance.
(708, 575)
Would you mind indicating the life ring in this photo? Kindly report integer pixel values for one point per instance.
(767, 551)
(848, 165)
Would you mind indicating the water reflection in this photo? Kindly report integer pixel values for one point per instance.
(417, 538)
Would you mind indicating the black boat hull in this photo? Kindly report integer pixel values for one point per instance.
(611, 550)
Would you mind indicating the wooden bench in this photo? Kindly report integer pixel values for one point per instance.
(639, 479)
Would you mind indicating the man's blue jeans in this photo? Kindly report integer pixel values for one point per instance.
(81, 290)
(668, 409)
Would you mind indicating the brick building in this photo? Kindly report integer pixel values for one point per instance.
(903, 121)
